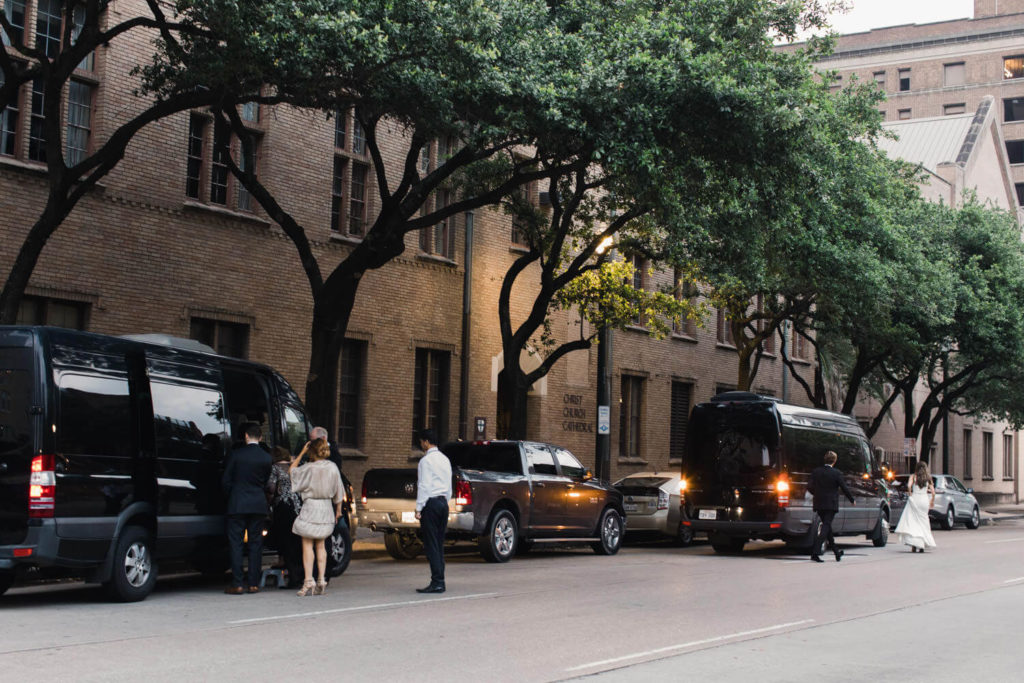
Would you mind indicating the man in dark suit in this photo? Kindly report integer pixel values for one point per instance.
(824, 485)
(245, 479)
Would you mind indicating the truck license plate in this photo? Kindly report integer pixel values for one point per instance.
(408, 517)
(708, 514)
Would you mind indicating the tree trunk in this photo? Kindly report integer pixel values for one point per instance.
(512, 402)
(28, 257)
(331, 313)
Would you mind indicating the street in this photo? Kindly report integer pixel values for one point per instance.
(653, 612)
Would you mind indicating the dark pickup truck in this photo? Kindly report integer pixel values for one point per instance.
(507, 495)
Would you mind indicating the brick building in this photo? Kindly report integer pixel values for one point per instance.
(170, 243)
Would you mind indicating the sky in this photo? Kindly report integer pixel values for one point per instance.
(868, 14)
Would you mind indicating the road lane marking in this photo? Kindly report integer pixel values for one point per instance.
(692, 643)
(1014, 580)
(340, 610)
(1005, 540)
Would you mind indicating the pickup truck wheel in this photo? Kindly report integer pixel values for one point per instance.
(610, 531)
(402, 546)
(6, 579)
(499, 543)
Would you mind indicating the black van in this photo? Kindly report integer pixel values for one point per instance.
(112, 451)
(748, 461)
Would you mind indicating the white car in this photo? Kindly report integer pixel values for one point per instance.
(651, 503)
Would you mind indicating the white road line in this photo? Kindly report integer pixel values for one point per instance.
(381, 605)
(1014, 580)
(1005, 540)
(692, 643)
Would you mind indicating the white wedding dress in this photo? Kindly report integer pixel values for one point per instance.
(914, 528)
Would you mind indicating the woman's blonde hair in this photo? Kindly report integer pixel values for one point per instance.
(922, 476)
(317, 449)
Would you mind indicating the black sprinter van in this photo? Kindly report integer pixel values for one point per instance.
(748, 461)
(112, 451)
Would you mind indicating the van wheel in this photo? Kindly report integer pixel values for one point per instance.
(975, 521)
(881, 534)
(6, 579)
(339, 550)
(134, 572)
(948, 521)
(818, 540)
(610, 533)
(402, 545)
(499, 543)
(727, 545)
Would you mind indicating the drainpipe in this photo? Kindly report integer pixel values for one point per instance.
(467, 316)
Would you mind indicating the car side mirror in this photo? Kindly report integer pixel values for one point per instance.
(588, 475)
(970, 490)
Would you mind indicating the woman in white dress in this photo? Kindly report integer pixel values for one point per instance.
(319, 483)
(914, 528)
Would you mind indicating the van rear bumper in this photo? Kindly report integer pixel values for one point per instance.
(43, 549)
(790, 523)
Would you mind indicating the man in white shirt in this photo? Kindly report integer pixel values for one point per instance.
(433, 489)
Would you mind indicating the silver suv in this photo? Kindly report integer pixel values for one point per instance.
(953, 502)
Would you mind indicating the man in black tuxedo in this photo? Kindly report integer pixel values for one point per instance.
(245, 479)
(824, 485)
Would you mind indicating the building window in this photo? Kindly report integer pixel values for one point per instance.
(725, 328)
(207, 163)
(904, 80)
(340, 119)
(349, 176)
(768, 344)
(801, 346)
(953, 74)
(246, 162)
(425, 159)
(630, 407)
(194, 172)
(1020, 193)
(879, 77)
(437, 239)
(38, 310)
(430, 394)
(903, 114)
(521, 223)
(37, 129)
(358, 138)
(14, 10)
(357, 201)
(48, 27)
(986, 455)
(77, 26)
(968, 464)
(1013, 67)
(1007, 456)
(1013, 109)
(350, 389)
(79, 122)
(227, 339)
(684, 290)
(250, 111)
(639, 283)
(958, 108)
(9, 126)
(1015, 151)
(679, 418)
(219, 166)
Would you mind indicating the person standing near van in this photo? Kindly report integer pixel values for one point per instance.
(824, 485)
(433, 489)
(244, 481)
(915, 529)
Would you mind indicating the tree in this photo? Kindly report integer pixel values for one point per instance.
(75, 165)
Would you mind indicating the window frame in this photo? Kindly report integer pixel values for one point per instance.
(968, 454)
(1008, 474)
(684, 291)
(218, 328)
(427, 361)
(987, 455)
(351, 388)
(1007, 74)
(952, 76)
(903, 76)
(631, 407)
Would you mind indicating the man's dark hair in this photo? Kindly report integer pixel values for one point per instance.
(427, 435)
(252, 430)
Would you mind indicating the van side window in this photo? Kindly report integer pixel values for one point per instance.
(853, 458)
(247, 400)
(188, 422)
(296, 429)
(95, 416)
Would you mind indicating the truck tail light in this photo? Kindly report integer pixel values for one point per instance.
(42, 484)
(463, 493)
(782, 488)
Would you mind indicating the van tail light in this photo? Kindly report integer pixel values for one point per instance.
(682, 489)
(42, 484)
(782, 488)
(662, 500)
(362, 494)
(463, 493)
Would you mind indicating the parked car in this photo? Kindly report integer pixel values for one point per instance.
(508, 495)
(651, 502)
(748, 461)
(112, 451)
(953, 501)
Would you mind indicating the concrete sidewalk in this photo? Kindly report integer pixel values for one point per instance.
(1000, 511)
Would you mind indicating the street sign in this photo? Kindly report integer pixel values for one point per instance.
(604, 420)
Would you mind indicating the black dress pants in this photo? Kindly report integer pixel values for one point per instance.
(433, 522)
(826, 528)
(237, 526)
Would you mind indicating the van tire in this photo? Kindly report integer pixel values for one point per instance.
(502, 537)
(6, 579)
(727, 545)
(880, 536)
(402, 545)
(339, 549)
(133, 573)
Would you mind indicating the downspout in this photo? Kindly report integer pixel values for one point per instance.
(467, 317)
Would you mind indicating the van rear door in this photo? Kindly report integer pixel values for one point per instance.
(18, 393)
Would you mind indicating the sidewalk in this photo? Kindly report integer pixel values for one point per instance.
(1000, 511)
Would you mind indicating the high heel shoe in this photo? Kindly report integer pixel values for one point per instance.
(321, 588)
(307, 589)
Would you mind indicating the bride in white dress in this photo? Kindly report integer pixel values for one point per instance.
(914, 528)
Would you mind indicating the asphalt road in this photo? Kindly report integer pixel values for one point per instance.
(653, 612)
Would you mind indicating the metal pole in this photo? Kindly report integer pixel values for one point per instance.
(602, 446)
(782, 353)
(467, 318)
